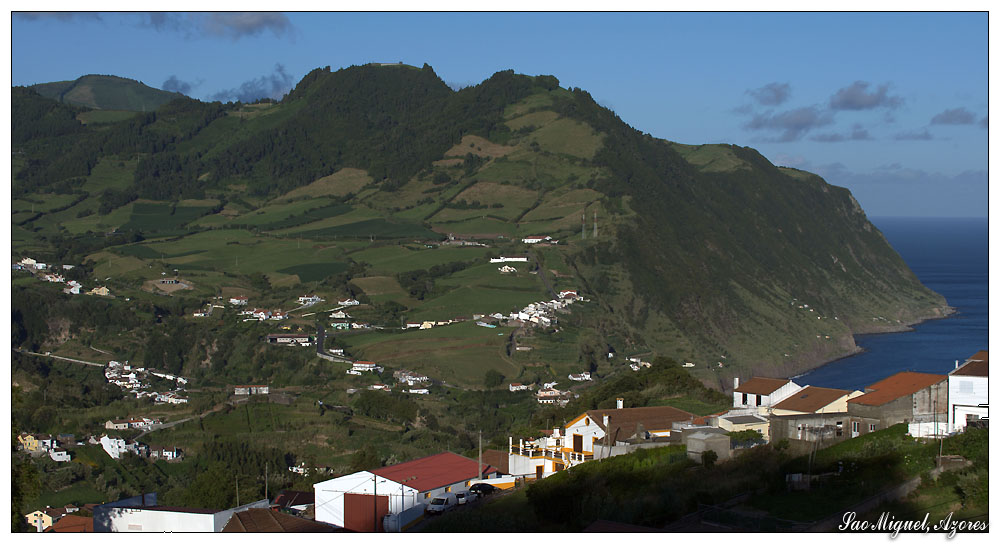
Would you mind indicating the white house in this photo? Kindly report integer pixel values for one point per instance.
(968, 391)
(114, 447)
(420, 391)
(348, 302)
(507, 269)
(309, 299)
(762, 393)
(568, 294)
(238, 301)
(509, 260)
(535, 239)
(518, 387)
(339, 314)
(582, 377)
(365, 366)
(361, 500)
(59, 455)
(587, 434)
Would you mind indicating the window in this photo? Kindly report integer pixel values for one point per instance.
(855, 427)
(586, 421)
(447, 489)
(744, 399)
(871, 427)
(965, 386)
(840, 428)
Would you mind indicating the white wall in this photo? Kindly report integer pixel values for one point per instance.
(330, 495)
(965, 394)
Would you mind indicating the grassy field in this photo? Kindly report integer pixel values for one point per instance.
(566, 136)
(340, 183)
(314, 271)
(276, 213)
(373, 228)
(356, 215)
(41, 203)
(536, 119)
(156, 216)
(395, 259)
(710, 157)
(458, 353)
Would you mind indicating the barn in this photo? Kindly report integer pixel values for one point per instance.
(359, 501)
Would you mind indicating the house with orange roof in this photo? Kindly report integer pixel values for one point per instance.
(815, 400)
(593, 434)
(969, 391)
(905, 397)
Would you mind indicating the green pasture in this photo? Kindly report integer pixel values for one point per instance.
(710, 157)
(535, 119)
(458, 353)
(566, 136)
(156, 216)
(110, 173)
(478, 225)
(373, 228)
(315, 271)
(41, 202)
(539, 100)
(278, 213)
(395, 259)
(356, 215)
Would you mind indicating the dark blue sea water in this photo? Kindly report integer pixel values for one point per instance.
(950, 256)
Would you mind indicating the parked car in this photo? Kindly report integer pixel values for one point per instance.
(482, 489)
(442, 503)
(465, 497)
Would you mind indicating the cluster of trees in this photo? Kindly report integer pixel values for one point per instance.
(420, 283)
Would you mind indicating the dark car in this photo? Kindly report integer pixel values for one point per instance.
(482, 489)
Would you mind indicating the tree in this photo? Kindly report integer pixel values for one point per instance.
(709, 457)
(492, 379)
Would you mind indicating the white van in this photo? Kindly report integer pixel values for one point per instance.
(442, 503)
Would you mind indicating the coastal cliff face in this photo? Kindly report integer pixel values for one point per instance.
(705, 253)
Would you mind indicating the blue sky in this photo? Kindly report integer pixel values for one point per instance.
(892, 106)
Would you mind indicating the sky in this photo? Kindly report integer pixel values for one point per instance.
(893, 106)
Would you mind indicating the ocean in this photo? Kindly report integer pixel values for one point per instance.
(951, 257)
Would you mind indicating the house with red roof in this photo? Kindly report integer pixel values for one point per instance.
(815, 400)
(905, 397)
(969, 391)
(361, 500)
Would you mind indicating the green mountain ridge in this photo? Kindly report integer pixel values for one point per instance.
(105, 92)
(708, 254)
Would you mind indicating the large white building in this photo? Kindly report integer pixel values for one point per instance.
(762, 394)
(360, 501)
(142, 515)
(968, 391)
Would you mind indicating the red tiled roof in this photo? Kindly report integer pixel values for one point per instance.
(761, 386)
(434, 471)
(72, 524)
(624, 422)
(977, 365)
(262, 520)
(982, 355)
(289, 498)
(810, 399)
(896, 386)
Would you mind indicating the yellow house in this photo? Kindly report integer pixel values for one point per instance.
(101, 291)
(28, 443)
(736, 422)
(815, 400)
(39, 520)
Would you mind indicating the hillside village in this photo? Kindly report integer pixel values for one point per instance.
(399, 497)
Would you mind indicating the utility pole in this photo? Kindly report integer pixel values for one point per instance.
(583, 222)
(374, 503)
(265, 483)
(480, 454)
(237, 478)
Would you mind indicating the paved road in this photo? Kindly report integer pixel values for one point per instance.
(19, 350)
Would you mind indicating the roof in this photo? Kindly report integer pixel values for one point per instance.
(810, 399)
(742, 420)
(896, 386)
(624, 422)
(72, 524)
(262, 520)
(497, 458)
(977, 365)
(289, 498)
(761, 386)
(434, 471)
